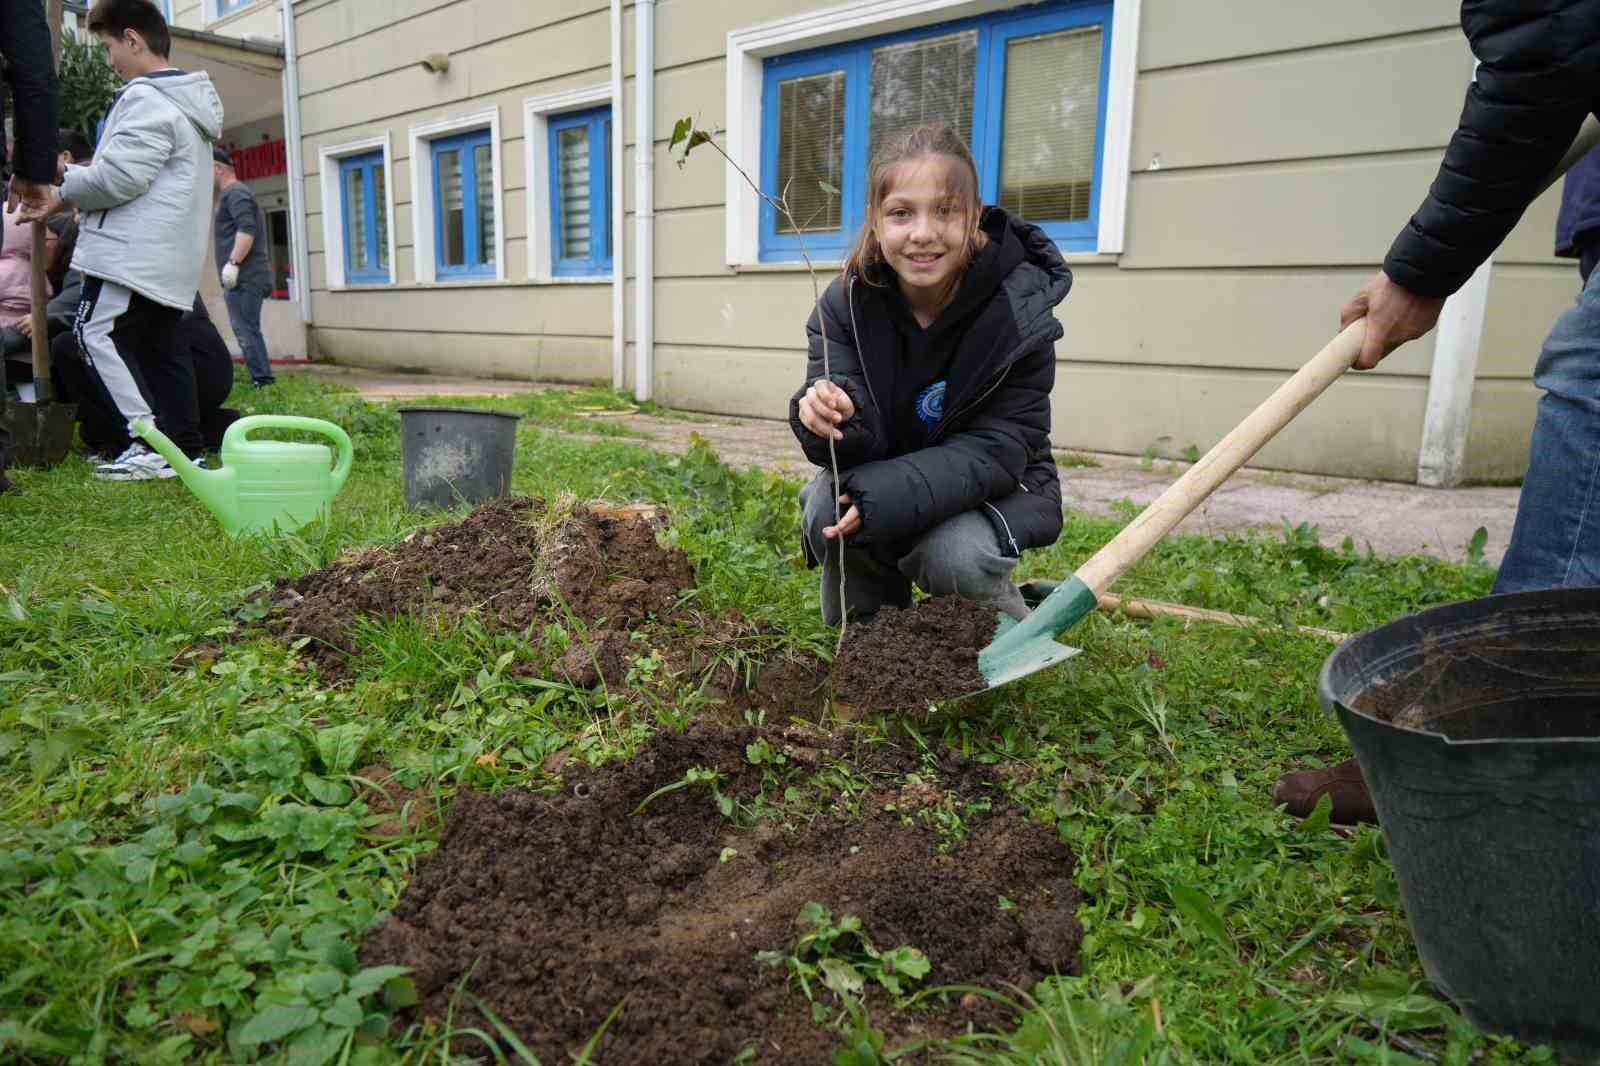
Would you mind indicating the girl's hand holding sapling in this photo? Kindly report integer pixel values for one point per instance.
(850, 523)
(824, 408)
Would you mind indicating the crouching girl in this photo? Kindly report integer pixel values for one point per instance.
(941, 349)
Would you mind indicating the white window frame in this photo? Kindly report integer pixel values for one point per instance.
(536, 114)
(870, 18)
(333, 212)
(422, 213)
(212, 10)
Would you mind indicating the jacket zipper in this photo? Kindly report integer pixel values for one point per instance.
(861, 356)
(1010, 537)
(102, 222)
(949, 419)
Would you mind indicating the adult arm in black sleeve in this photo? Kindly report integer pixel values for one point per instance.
(1538, 76)
(25, 43)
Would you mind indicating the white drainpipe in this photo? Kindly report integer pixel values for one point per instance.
(1448, 416)
(619, 314)
(297, 170)
(644, 150)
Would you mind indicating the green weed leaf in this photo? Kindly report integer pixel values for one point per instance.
(324, 984)
(328, 793)
(373, 978)
(340, 746)
(345, 1013)
(1197, 909)
(906, 961)
(841, 977)
(315, 1046)
(276, 1022)
(399, 993)
(272, 754)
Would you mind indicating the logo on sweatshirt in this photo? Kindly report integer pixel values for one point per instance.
(930, 405)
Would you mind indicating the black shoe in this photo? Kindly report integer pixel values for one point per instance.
(264, 382)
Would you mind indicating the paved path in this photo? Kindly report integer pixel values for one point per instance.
(1395, 519)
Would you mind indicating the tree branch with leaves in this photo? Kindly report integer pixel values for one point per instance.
(690, 136)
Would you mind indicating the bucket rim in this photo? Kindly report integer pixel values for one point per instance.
(1528, 604)
(441, 409)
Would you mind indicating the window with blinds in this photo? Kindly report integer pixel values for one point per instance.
(1052, 109)
(573, 197)
(1022, 86)
(364, 202)
(359, 255)
(922, 82)
(811, 150)
(380, 212)
(464, 214)
(580, 192)
(452, 210)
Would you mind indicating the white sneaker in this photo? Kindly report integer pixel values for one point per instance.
(138, 463)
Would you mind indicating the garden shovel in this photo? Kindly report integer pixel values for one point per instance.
(1026, 647)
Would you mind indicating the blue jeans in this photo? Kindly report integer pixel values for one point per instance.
(1556, 539)
(244, 313)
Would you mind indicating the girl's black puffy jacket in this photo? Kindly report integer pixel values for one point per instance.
(992, 449)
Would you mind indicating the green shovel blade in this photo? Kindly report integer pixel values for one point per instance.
(1028, 646)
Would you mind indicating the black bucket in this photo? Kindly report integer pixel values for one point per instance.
(1477, 726)
(456, 455)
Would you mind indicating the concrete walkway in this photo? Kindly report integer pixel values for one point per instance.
(1394, 519)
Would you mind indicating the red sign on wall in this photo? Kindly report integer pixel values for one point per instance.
(260, 160)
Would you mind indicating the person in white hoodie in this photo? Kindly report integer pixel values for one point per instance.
(143, 233)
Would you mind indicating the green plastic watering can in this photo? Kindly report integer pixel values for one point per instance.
(271, 486)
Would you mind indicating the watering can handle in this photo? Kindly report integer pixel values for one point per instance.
(341, 468)
(1232, 452)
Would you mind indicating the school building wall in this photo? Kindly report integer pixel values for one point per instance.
(1276, 150)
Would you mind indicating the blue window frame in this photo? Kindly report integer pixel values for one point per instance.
(1028, 86)
(463, 205)
(580, 193)
(364, 206)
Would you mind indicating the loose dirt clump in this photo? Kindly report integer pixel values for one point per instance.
(596, 570)
(562, 906)
(903, 659)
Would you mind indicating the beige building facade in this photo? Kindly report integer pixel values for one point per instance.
(1221, 177)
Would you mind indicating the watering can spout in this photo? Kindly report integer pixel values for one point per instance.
(215, 488)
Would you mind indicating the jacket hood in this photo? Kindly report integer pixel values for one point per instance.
(1040, 281)
(193, 94)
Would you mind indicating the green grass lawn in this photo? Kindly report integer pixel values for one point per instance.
(185, 867)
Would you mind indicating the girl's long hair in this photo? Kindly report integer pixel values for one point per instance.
(917, 143)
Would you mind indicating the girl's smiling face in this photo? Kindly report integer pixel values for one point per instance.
(922, 229)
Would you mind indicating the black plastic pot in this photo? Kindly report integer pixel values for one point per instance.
(456, 455)
(1477, 726)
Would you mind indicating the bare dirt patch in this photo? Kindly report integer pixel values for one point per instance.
(561, 906)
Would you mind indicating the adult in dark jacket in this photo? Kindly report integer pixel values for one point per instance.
(25, 45)
(1538, 78)
(939, 392)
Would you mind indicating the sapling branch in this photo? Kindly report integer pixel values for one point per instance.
(685, 132)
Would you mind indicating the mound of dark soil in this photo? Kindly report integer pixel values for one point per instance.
(562, 906)
(511, 562)
(903, 659)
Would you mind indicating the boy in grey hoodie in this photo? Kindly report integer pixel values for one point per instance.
(143, 234)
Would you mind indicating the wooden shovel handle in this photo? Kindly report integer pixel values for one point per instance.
(1215, 467)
